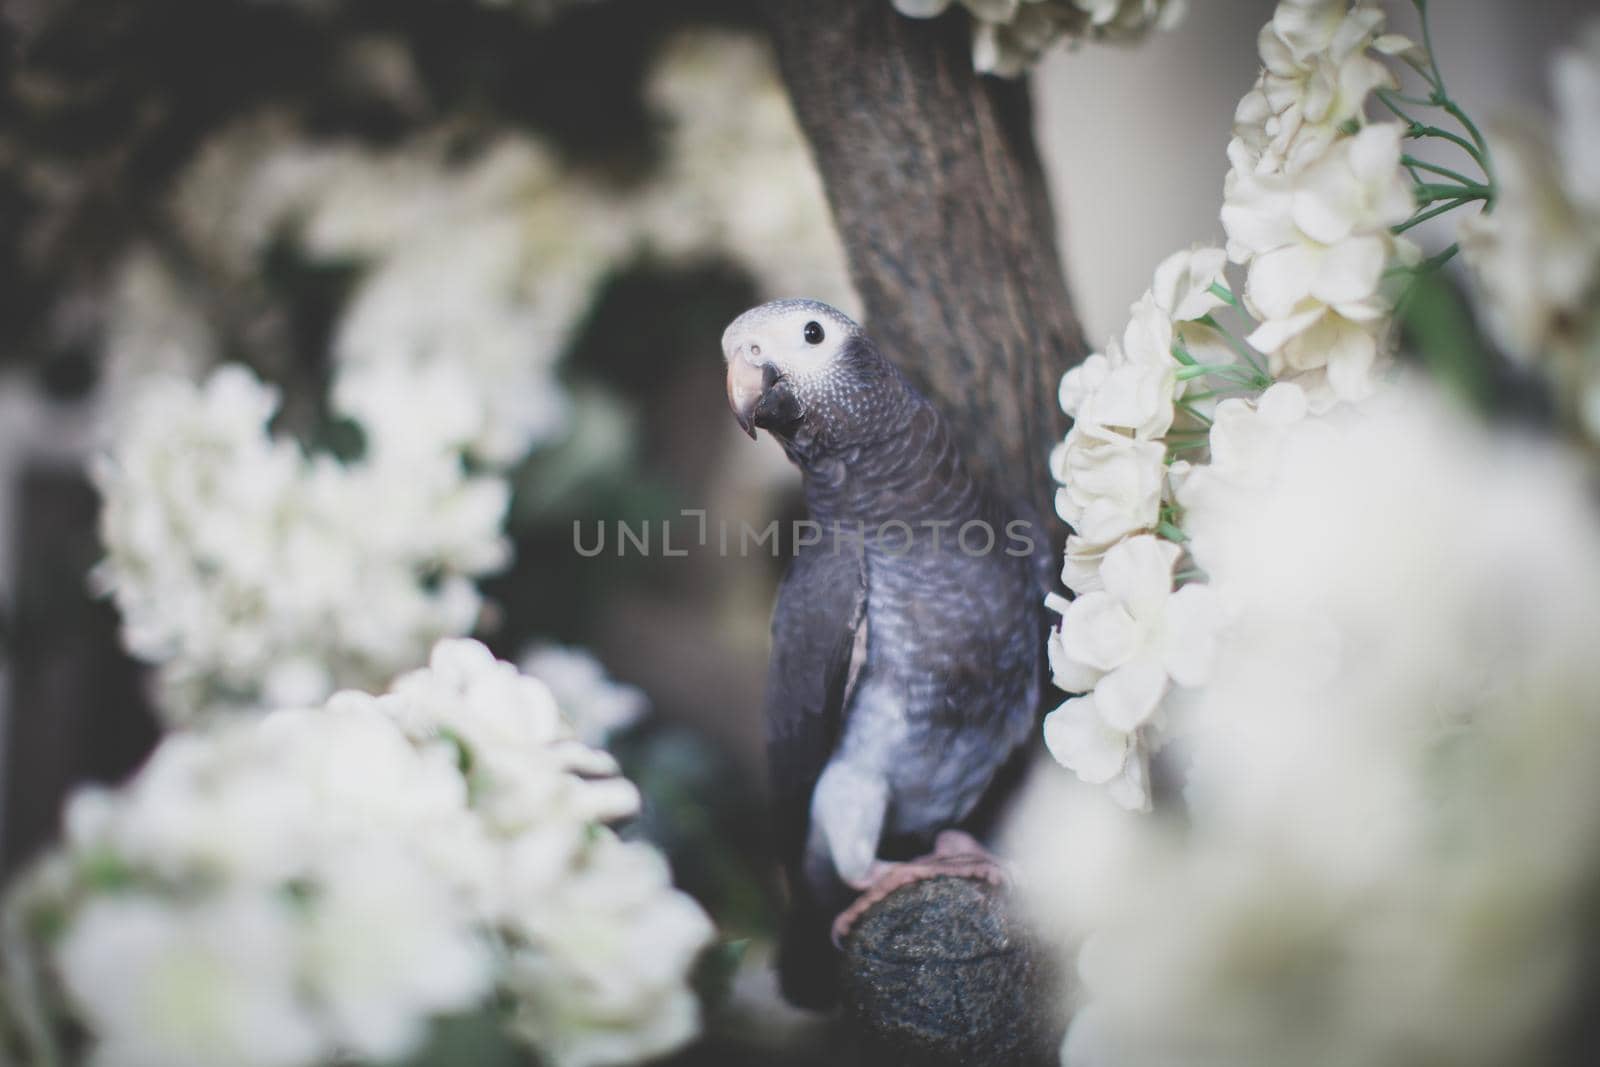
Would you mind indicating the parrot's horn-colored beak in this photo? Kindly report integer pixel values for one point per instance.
(746, 383)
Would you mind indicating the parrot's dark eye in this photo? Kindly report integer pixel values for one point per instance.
(814, 333)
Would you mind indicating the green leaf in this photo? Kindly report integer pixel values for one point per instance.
(1440, 328)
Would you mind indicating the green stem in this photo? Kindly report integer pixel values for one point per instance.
(1413, 124)
(1418, 220)
(1432, 193)
(1433, 263)
(1406, 99)
(1200, 370)
(1172, 533)
(1412, 161)
(1417, 129)
(1230, 371)
(1184, 405)
(1472, 131)
(1460, 142)
(1222, 292)
(1237, 345)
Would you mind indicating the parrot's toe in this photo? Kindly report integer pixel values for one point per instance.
(955, 855)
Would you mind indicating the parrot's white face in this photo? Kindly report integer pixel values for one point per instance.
(784, 358)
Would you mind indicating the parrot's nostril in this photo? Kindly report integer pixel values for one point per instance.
(755, 350)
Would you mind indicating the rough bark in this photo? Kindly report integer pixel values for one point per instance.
(936, 187)
(980, 992)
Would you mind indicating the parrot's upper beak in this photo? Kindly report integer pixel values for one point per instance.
(747, 382)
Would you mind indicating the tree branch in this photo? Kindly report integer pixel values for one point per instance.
(937, 190)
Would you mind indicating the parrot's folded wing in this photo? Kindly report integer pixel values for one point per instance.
(815, 626)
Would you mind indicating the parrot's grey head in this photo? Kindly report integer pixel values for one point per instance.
(803, 371)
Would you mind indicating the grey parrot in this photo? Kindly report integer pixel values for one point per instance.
(907, 639)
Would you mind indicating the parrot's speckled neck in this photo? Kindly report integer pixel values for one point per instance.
(906, 469)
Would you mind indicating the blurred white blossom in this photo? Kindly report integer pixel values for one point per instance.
(253, 575)
(1010, 35)
(476, 274)
(1535, 255)
(1391, 804)
(321, 883)
(738, 179)
(595, 705)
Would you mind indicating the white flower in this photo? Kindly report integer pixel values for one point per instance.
(1323, 234)
(526, 762)
(1010, 35)
(1537, 255)
(1080, 572)
(738, 179)
(386, 947)
(1121, 643)
(1131, 387)
(613, 941)
(189, 986)
(1183, 281)
(324, 882)
(1081, 740)
(250, 573)
(1110, 483)
(1389, 769)
(1133, 636)
(596, 706)
(1575, 84)
(1317, 76)
(1317, 244)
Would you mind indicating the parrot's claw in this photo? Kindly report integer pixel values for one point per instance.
(955, 855)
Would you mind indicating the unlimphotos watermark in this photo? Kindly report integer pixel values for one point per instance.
(894, 537)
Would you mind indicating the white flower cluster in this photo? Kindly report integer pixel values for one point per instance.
(257, 576)
(1308, 205)
(1127, 636)
(1391, 804)
(738, 179)
(474, 277)
(595, 705)
(318, 884)
(1536, 255)
(1009, 36)
(1308, 209)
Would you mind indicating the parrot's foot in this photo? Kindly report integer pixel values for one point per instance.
(955, 855)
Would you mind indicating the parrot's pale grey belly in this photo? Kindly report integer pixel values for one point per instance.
(933, 778)
(944, 697)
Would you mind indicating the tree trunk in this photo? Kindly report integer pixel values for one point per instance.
(77, 711)
(938, 193)
(942, 205)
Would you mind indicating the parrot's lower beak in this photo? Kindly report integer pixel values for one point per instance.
(746, 384)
